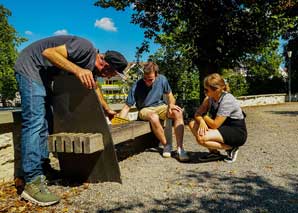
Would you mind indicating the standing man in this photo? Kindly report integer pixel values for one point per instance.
(147, 94)
(34, 69)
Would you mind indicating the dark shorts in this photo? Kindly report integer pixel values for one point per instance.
(234, 135)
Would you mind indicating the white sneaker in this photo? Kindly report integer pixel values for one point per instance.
(182, 155)
(167, 151)
(232, 155)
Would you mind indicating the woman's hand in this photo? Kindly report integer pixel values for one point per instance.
(203, 128)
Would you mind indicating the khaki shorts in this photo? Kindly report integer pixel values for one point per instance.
(160, 110)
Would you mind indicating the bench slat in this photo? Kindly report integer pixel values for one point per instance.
(75, 142)
(78, 144)
(93, 143)
(59, 146)
(124, 132)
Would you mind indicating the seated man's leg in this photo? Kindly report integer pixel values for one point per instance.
(151, 114)
(177, 116)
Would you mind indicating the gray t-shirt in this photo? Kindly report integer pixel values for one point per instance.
(228, 106)
(144, 96)
(33, 65)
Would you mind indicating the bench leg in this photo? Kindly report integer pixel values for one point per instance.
(93, 168)
(135, 146)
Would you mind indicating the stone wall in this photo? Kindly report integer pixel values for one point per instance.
(257, 100)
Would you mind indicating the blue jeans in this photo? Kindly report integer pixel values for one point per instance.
(34, 135)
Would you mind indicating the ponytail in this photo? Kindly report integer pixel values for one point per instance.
(215, 81)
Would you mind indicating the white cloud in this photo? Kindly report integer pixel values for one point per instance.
(61, 32)
(106, 24)
(27, 32)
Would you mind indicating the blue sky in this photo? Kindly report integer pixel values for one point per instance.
(107, 29)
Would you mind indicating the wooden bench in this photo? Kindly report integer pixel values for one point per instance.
(88, 148)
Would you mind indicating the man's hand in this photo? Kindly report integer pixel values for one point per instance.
(174, 107)
(110, 113)
(86, 78)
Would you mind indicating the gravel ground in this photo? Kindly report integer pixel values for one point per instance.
(263, 179)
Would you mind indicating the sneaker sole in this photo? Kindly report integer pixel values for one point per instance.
(229, 161)
(184, 159)
(27, 197)
(166, 155)
(232, 160)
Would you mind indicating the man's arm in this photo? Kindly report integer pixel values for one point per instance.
(58, 57)
(103, 102)
(171, 102)
(170, 98)
(124, 111)
(130, 101)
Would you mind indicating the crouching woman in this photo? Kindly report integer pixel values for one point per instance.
(219, 122)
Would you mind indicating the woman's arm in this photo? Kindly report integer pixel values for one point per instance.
(214, 123)
(203, 109)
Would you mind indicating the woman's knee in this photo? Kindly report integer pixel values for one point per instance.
(191, 124)
(201, 140)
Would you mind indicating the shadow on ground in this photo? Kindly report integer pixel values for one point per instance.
(194, 157)
(287, 113)
(224, 193)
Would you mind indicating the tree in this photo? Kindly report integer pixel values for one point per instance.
(263, 75)
(217, 34)
(184, 80)
(236, 81)
(292, 45)
(9, 40)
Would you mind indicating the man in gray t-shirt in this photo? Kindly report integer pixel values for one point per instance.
(35, 68)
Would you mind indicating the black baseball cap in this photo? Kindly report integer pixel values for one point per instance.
(117, 61)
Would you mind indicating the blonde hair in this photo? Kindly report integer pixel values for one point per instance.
(214, 81)
(150, 67)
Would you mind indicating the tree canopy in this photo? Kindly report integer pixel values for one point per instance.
(216, 32)
(263, 73)
(212, 34)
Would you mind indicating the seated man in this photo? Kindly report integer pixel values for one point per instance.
(148, 93)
